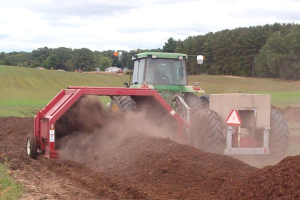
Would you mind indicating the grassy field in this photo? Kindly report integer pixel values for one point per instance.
(23, 90)
(9, 189)
(283, 93)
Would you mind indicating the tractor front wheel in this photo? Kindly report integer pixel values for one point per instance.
(31, 146)
(122, 103)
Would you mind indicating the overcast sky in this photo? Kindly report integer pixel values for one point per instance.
(26, 25)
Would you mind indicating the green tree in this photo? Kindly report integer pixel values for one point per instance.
(279, 57)
(63, 54)
(129, 62)
(207, 52)
(35, 64)
(46, 64)
(50, 62)
(187, 48)
(104, 63)
(18, 58)
(170, 46)
(41, 54)
(83, 58)
(53, 61)
(3, 59)
(69, 65)
(2, 55)
(97, 57)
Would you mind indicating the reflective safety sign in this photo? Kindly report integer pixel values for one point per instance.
(233, 119)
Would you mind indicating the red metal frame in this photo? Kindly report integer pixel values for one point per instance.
(44, 121)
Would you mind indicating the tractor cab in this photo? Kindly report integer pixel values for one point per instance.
(159, 69)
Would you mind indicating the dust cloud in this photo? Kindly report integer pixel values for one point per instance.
(96, 131)
(87, 132)
(84, 115)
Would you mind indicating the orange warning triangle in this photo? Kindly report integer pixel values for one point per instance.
(233, 119)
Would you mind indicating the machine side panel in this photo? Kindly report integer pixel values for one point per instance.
(260, 103)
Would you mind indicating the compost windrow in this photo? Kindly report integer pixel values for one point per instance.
(127, 163)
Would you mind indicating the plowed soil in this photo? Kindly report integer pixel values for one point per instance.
(126, 163)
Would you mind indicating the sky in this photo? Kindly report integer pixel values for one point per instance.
(26, 25)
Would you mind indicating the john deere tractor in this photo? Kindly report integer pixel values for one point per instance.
(166, 74)
(210, 123)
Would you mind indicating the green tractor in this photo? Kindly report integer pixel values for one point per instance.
(231, 124)
(166, 73)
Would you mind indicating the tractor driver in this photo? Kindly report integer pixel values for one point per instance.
(153, 72)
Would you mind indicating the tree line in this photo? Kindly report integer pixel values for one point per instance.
(259, 51)
(66, 58)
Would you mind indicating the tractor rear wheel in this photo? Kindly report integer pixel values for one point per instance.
(31, 146)
(193, 101)
(207, 129)
(122, 103)
(279, 136)
(205, 100)
(208, 132)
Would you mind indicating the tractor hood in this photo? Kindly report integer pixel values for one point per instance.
(173, 88)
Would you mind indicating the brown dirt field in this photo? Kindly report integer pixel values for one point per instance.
(120, 162)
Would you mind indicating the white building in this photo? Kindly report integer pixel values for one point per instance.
(112, 69)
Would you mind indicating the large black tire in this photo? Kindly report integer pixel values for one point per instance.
(207, 131)
(194, 102)
(279, 136)
(31, 146)
(122, 103)
(205, 100)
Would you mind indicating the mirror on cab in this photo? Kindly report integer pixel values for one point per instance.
(118, 54)
(200, 59)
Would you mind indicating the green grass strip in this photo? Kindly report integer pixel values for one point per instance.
(9, 188)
